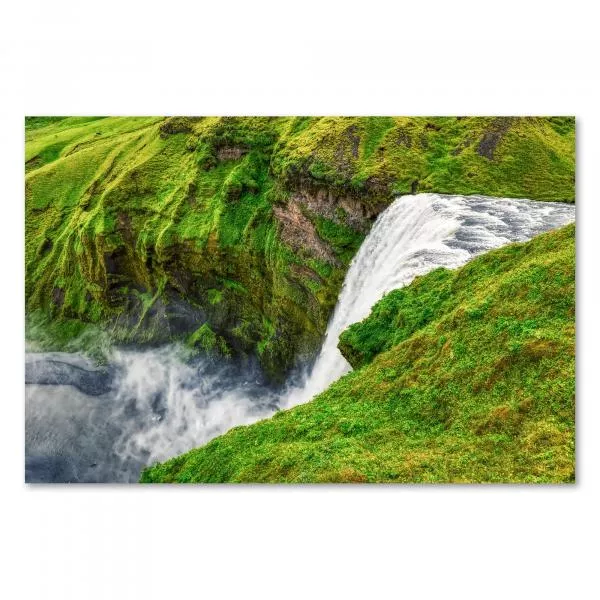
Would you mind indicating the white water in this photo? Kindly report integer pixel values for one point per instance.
(415, 235)
(160, 406)
(157, 407)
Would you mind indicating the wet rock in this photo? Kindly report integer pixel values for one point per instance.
(51, 371)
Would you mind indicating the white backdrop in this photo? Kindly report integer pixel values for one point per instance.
(464, 57)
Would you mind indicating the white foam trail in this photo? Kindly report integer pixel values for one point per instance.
(413, 236)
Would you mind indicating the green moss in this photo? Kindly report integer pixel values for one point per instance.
(204, 338)
(124, 210)
(421, 302)
(344, 240)
(474, 383)
(380, 156)
(69, 335)
(269, 332)
(215, 296)
(375, 130)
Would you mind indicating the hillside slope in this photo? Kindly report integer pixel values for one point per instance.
(235, 233)
(466, 376)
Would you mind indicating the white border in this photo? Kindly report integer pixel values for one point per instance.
(463, 57)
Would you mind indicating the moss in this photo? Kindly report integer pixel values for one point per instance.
(215, 296)
(476, 385)
(124, 210)
(398, 316)
(70, 335)
(380, 156)
(204, 338)
(344, 240)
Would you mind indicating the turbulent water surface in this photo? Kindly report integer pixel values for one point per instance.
(91, 424)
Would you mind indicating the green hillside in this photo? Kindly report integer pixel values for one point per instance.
(463, 376)
(234, 234)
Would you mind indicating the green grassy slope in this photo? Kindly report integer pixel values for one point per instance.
(235, 233)
(463, 376)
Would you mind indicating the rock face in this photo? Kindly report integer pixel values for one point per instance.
(492, 137)
(230, 152)
(299, 233)
(342, 209)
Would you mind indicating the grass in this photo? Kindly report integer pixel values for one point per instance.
(463, 376)
(180, 211)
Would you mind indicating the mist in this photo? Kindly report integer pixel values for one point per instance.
(152, 404)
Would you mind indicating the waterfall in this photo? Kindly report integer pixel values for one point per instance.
(413, 236)
(85, 424)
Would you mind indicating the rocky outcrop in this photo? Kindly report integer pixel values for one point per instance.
(343, 209)
(492, 137)
(231, 152)
(298, 232)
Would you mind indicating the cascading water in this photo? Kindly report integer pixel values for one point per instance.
(92, 425)
(415, 235)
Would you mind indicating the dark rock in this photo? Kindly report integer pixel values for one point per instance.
(46, 247)
(48, 371)
(491, 138)
(58, 296)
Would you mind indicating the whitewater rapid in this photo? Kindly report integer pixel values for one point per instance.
(90, 424)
